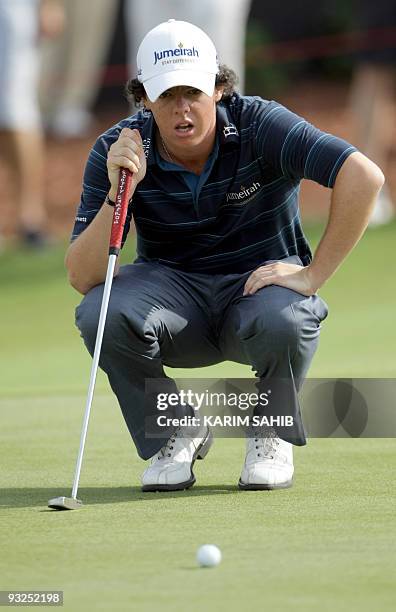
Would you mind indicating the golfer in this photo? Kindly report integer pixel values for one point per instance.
(223, 269)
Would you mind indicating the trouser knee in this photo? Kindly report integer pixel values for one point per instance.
(87, 321)
(277, 330)
(127, 332)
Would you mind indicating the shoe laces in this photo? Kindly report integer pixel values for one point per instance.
(165, 451)
(266, 442)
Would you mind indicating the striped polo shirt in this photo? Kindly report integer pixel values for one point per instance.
(244, 212)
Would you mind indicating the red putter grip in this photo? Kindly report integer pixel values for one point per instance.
(120, 210)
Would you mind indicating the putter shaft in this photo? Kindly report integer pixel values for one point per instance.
(119, 216)
(94, 368)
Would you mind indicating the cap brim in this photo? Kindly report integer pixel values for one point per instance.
(201, 80)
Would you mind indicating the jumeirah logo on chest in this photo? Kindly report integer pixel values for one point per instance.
(242, 196)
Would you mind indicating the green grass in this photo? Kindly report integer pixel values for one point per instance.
(326, 544)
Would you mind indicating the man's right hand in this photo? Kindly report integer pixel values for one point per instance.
(126, 152)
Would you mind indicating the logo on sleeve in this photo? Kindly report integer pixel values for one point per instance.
(230, 130)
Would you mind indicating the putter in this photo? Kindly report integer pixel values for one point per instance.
(119, 216)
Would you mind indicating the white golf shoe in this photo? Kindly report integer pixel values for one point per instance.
(268, 462)
(171, 468)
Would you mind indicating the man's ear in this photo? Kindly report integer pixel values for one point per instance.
(146, 103)
(219, 93)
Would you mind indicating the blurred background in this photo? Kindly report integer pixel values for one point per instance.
(333, 63)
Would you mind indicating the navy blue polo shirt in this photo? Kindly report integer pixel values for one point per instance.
(243, 211)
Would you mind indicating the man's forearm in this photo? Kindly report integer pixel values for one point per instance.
(353, 197)
(87, 257)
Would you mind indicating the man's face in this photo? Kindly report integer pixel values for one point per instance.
(185, 116)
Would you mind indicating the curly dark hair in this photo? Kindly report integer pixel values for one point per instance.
(226, 77)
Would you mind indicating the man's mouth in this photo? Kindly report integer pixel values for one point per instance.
(184, 127)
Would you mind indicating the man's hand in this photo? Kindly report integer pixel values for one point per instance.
(126, 152)
(287, 275)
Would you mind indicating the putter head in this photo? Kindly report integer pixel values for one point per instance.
(65, 503)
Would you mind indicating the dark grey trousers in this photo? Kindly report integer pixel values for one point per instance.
(160, 316)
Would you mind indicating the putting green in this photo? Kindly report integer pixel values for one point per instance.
(327, 543)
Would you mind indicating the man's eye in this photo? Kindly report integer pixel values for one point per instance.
(194, 92)
(165, 94)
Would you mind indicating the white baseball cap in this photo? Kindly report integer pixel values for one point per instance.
(176, 53)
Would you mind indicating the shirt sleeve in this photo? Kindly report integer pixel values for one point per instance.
(297, 149)
(96, 186)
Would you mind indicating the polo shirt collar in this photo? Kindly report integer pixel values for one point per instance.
(227, 131)
(148, 137)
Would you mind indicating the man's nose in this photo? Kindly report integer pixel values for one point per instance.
(182, 103)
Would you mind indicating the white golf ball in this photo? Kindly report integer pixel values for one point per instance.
(208, 555)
